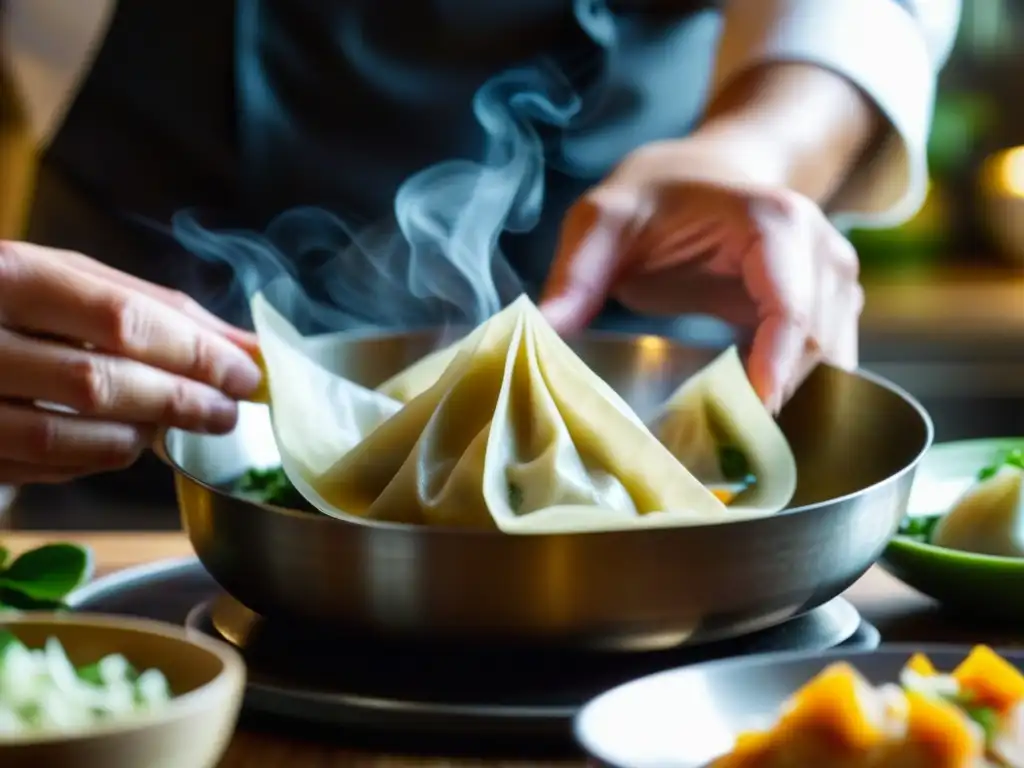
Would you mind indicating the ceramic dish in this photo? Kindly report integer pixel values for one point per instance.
(978, 585)
(687, 717)
(206, 677)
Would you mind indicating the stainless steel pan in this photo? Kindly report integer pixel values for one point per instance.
(857, 440)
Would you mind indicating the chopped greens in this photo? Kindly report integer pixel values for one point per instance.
(41, 579)
(41, 690)
(920, 527)
(1011, 458)
(734, 465)
(515, 497)
(986, 717)
(270, 486)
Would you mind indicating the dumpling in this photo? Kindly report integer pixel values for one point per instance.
(517, 434)
(318, 416)
(717, 426)
(989, 518)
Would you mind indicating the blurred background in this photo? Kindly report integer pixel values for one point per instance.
(945, 291)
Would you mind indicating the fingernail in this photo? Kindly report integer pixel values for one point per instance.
(243, 378)
(220, 414)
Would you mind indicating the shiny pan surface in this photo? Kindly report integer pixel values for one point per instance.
(857, 441)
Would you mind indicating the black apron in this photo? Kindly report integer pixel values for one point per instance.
(240, 111)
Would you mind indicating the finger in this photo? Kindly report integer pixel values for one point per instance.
(781, 274)
(108, 387)
(19, 473)
(173, 299)
(841, 302)
(158, 445)
(41, 296)
(50, 438)
(594, 240)
(777, 360)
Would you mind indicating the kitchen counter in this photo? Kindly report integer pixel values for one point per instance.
(950, 303)
(900, 613)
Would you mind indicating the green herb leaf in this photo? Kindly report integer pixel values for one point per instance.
(919, 527)
(49, 573)
(5, 555)
(515, 497)
(271, 486)
(733, 463)
(7, 640)
(1011, 458)
(12, 600)
(986, 717)
(90, 673)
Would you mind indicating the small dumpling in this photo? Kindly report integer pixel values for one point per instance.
(989, 518)
(317, 416)
(717, 426)
(517, 434)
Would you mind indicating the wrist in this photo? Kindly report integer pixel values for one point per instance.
(798, 126)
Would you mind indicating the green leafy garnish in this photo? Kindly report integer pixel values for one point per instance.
(42, 578)
(7, 639)
(919, 527)
(271, 486)
(734, 465)
(90, 673)
(515, 497)
(1011, 458)
(986, 717)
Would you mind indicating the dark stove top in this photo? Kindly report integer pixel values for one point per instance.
(374, 686)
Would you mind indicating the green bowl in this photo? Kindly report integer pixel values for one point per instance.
(981, 586)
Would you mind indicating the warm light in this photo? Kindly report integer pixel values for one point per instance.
(1003, 173)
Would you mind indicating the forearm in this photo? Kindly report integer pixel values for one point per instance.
(818, 81)
(801, 126)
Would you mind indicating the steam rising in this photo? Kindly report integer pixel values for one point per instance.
(437, 261)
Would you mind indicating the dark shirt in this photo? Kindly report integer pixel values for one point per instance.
(242, 111)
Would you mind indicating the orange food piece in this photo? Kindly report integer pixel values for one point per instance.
(940, 732)
(993, 681)
(834, 701)
(921, 665)
(825, 717)
(724, 495)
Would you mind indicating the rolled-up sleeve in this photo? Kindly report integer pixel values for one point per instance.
(891, 49)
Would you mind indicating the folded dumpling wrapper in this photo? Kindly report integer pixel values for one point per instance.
(719, 408)
(516, 433)
(715, 408)
(319, 416)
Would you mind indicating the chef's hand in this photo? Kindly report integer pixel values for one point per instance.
(93, 362)
(678, 228)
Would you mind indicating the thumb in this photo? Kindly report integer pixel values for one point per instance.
(593, 243)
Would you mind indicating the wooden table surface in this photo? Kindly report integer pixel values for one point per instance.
(901, 614)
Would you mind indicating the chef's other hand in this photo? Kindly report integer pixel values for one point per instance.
(93, 362)
(677, 228)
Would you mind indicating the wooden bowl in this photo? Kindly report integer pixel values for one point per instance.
(207, 679)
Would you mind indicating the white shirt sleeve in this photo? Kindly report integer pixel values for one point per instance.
(891, 49)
